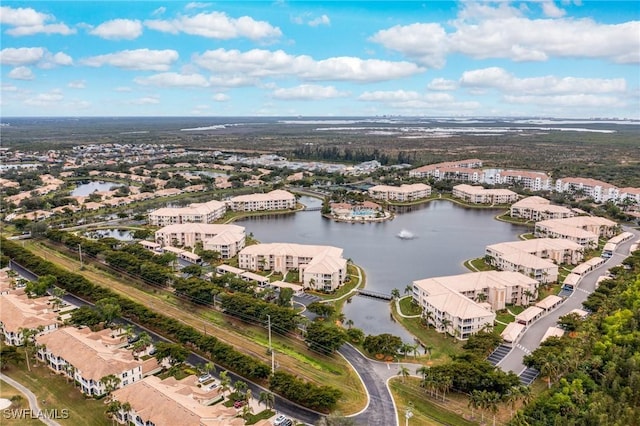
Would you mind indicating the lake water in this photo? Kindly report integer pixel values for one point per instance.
(85, 189)
(118, 234)
(444, 236)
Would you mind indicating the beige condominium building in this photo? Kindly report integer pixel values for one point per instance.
(480, 195)
(320, 267)
(274, 200)
(402, 193)
(18, 312)
(207, 212)
(534, 181)
(584, 230)
(88, 357)
(228, 240)
(538, 208)
(599, 191)
(438, 170)
(507, 259)
(169, 401)
(557, 250)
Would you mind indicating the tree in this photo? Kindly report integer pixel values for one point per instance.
(28, 336)
(58, 293)
(349, 323)
(113, 409)
(395, 293)
(324, 310)
(86, 316)
(408, 289)
(110, 383)
(428, 317)
(324, 337)
(143, 342)
(192, 270)
(475, 401)
(492, 400)
(9, 355)
(284, 296)
(240, 387)
(404, 372)
(385, 344)
(108, 310)
(175, 353)
(225, 381)
(268, 399)
(445, 323)
(39, 287)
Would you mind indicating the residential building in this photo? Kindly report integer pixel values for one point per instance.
(228, 240)
(433, 170)
(274, 200)
(529, 315)
(88, 357)
(19, 312)
(507, 258)
(538, 208)
(629, 195)
(599, 191)
(497, 288)
(557, 250)
(449, 311)
(320, 267)
(207, 212)
(584, 230)
(480, 195)
(402, 193)
(534, 181)
(169, 401)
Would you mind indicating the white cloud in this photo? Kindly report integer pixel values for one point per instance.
(550, 9)
(265, 63)
(21, 73)
(139, 59)
(411, 102)
(442, 84)
(308, 92)
(44, 100)
(27, 21)
(217, 25)
(123, 89)
(146, 100)
(233, 81)
(172, 79)
(582, 100)
(483, 31)
(33, 56)
(77, 84)
(21, 56)
(118, 29)
(320, 20)
(221, 97)
(499, 79)
(159, 11)
(196, 5)
(8, 87)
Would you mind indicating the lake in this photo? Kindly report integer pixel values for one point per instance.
(444, 236)
(85, 189)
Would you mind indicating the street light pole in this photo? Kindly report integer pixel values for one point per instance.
(273, 368)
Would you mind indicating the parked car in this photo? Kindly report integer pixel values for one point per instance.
(279, 420)
(287, 422)
(239, 404)
(205, 378)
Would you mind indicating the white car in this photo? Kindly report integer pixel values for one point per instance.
(279, 420)
(205, 378)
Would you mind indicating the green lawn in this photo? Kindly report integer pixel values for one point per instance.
(479, 264)
(408, 307)
(442, 348)
(262, 415)
(19, 402)
(426, 410)
(58, 393)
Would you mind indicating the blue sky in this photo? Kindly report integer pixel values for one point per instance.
(321, 58)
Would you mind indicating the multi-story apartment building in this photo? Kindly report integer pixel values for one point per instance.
(228, 240)
(512, 257)
(207, 212)
(320, 267)
(18, 312)
(274, 200)
(599, 191)
(402, 193)
(185, 402)
(538, 208)
(630, 194)
(584, 230)
(480, 195)
(88, 357)
(534, 181)
(434, 170)
(557, 250)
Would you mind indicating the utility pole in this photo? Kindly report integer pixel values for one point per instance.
(408, 414)
(80, 251)
(273, 368)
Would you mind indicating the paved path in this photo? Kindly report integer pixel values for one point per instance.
(531, 338)
(33, 401)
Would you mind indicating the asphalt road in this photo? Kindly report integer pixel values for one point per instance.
(531, 337)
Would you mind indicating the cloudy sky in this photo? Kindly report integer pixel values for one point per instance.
(321, 58)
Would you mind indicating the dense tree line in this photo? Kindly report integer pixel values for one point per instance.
(322, 398)
(593, 373)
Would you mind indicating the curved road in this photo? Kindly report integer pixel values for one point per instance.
(33, 401)
(530, 340)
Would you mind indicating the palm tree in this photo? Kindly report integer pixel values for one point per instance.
(267, 399)
(493, 398)
(404, 372)
(475, 401)
(144, 340)
(209, 367)
(512, 397)
(446, 382)
(428, 316)
(112, 410)
(428, 349)
(414, 349)
(424, 371)
(225, 381)
(395, 293)
(529, 295)
(408, 289)
(349, 323)
(525, 394)
(246, 410)
(481, 297)
(239, 386)
(110, 383)
(445, 323)
(404, 349)
(248, 395)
